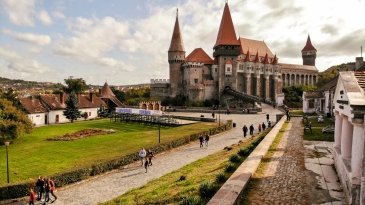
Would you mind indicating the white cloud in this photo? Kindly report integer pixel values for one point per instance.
(58, 14)
(45, 18)
(21, 64)
(36, 39)
(19, 12)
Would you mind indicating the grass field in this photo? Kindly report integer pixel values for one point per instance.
(168, 189)
(317, 134)
(32, 155)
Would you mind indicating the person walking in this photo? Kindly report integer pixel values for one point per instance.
(150, 156)
(259, 127)
(263, 126)
(244, 129)
(213, 115)
(47, 188)
(206, 140)
(201, 139)
(288, 115)
(32, 196)
(267, 117)
(251, 129)
(142, 154)
(269, 124)
(52, 189)
(38, 186)
(146, 165)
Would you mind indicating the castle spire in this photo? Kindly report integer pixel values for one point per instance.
(275, 60)
(226, 34)
(176, 39)
(308, 46)
(247, 58)
(257, 59)
(266, 59)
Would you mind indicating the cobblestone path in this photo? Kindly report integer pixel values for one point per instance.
(283, 178)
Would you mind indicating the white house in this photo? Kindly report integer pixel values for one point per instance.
(48, 108)
(349, 110)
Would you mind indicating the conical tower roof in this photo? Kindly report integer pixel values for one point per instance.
(176, 39)
(308, 46)
(266, 59)
(257, 59)
(106, 92)
(247, 58)
(275, 61)
(226, 33)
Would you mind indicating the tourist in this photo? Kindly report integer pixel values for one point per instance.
(263, 126)
(213, 115)
(39, 187)
(31, 196)
(142, 154)
(269, 124)
(267, 117)
(287, 115)
(201, 139)
(251, 129)
(47, 188)
(146, 165)
(52, 189)
(259, 127)
(206, 140)
(244, 129)
(150, 155)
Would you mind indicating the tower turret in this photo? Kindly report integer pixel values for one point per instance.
(176, 56)
(309, 53)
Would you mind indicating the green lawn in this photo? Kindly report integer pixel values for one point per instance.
(32, 155)
(317, 127)
(296, 112)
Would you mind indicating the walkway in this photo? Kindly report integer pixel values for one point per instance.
(112, 184)
(287, 179)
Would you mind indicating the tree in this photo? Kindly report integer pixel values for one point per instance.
(119, 94)
(13, 121)
(72, 111)
(76, 85)
(11, 95)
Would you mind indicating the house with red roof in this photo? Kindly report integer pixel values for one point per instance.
(244, 65)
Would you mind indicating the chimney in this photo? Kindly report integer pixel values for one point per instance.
(62, 98)
(91, 97)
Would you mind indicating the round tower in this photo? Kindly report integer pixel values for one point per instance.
(309, 53)
(176, 57)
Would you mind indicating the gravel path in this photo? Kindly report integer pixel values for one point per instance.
(112, 184)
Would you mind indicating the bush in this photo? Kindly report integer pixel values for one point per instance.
(244, 152)
(207, 190)
(182, 178)
(230, 168)
(220, 178)
(192, 200)
(235, 159)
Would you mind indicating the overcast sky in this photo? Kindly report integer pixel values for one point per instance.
(126, 42)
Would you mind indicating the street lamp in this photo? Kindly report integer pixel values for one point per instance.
(7, 143)
(159, 130)
(219, 115)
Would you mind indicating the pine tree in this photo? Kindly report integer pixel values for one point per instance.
(72, 111)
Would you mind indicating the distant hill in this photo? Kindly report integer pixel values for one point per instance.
(325, 76)
(17, 84)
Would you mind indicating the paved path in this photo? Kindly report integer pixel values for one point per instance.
(287, 179)
(112, 184)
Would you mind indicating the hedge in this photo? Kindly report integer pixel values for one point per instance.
(61, 179)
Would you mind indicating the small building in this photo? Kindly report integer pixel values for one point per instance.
(107, 95)
(35, 110)
(349, 153)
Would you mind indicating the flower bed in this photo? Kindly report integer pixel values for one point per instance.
(81, 134)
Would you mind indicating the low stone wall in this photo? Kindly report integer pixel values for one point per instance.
(61, 179)
(232, 189)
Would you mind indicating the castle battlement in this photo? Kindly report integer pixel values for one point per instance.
(160, 81)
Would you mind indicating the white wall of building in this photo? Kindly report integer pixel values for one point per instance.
(37, 119)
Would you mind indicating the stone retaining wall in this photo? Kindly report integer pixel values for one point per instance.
(232, 189)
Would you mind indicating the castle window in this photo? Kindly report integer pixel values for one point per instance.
(225, 58)
(195, 80)
(215, 69)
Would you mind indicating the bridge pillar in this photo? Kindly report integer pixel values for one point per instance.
(248, 84)
(258, 85)
(267, 87)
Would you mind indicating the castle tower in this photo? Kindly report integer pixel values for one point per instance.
(226, 48)
(176, 56)
(309, 53)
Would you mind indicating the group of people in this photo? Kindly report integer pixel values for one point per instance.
(146, 158)
(260, 127)
(202, 140)
(44, 187)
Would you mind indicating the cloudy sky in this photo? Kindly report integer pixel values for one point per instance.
(126, 42)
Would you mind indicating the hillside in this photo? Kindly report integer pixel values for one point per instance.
(17, 84)
(327, 75)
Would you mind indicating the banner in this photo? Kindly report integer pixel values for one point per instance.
(138, 111)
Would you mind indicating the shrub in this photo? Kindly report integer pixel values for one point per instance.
(207, 190)
(192, 200)
(220, 178)
(243, 152)
(235, 159)
(182, 178)
(230, 168)
(228, 148)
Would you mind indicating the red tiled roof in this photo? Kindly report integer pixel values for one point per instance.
(308, 46)
(54, 102)
(259, 46)
(106, 91)
(199, 55)
(176, 39)
(32, 105)
(229, 62)
(226, 34)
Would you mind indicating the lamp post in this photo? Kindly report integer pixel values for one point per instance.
(7, 159)
(159, 130)
(219, 115)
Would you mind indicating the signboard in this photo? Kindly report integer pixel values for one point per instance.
(138, 111)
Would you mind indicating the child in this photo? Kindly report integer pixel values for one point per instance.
(31, 196)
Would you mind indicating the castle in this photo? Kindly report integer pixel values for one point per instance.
(244, 65)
